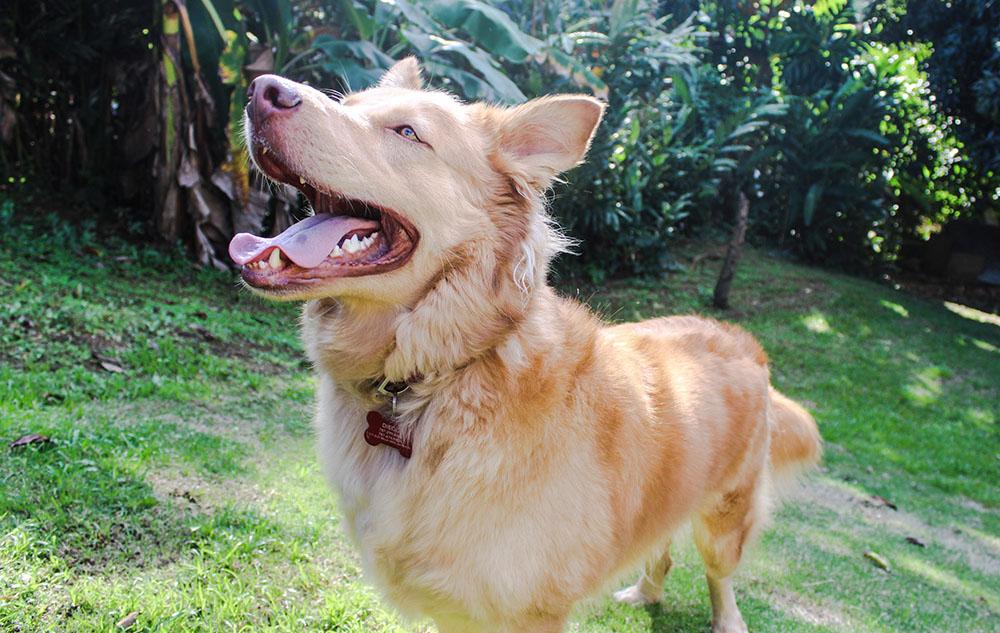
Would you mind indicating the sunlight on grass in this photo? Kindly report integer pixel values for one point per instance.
(990, 542)
(972, 313)
(817, 323)
(980, 417)
(925, 386)
(970, 590)
(895, 307)
(986, 347)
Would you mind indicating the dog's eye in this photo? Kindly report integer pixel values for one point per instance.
(407, 132)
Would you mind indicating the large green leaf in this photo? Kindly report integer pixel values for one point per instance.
(487, 26)
(809, 206)
(506, 89)
(360, 50)
(360, 20)
(465, 82)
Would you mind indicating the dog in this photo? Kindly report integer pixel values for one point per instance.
(499, 453)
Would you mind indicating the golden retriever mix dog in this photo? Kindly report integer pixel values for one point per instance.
(500, 454)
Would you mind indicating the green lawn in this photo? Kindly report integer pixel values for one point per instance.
(180, 482)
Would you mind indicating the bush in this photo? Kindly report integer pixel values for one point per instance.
(850, 137)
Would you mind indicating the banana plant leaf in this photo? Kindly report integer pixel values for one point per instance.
(360, 50)
(487, 26)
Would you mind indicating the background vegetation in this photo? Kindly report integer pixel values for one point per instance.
(853, 130)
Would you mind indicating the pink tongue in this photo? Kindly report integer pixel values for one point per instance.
(307, 243)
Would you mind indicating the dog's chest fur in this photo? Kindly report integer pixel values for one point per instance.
(487, 486)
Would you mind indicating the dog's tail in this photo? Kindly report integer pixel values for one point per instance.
(795, 442)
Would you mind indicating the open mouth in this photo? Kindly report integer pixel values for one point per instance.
(346, 237)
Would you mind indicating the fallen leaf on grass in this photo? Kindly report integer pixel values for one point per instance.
(880, 501)
(912, 540)
(30, 438)
(204, 333)
(187, 495)
(112, 367)
(878, 561)
(128, 620)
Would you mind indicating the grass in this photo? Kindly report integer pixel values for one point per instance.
(180, 481)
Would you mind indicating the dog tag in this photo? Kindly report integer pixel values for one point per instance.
(383, 430)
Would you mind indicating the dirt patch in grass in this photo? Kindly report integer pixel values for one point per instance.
(809, 611)
(190, 492)
(857, 509)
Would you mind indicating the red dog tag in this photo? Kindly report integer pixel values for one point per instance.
(382, 430)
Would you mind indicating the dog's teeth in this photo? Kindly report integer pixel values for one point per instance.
(263, 151)
(275, 260)
(302, 180)
(352, 245)
(336, 252)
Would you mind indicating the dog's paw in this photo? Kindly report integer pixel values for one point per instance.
(734, 625)
(634, 596)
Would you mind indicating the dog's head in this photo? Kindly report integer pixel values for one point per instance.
(399, 178)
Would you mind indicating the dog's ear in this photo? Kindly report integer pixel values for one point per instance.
(540, 139)
(403, 74)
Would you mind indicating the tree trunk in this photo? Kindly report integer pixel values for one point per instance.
(721, 298)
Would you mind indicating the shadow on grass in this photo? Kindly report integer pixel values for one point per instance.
(664, 619)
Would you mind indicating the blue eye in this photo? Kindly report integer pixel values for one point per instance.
(407, 132)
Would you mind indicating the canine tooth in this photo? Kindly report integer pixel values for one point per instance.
(336, 252)
(275, 259)
(302, 180)
(264, 151)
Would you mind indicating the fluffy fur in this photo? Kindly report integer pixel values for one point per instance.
(550, 451)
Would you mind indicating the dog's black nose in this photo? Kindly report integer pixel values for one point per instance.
(269, 94)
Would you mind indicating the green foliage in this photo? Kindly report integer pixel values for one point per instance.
(964, 69)
(850, 137)
(69, 95)
(619, 202)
